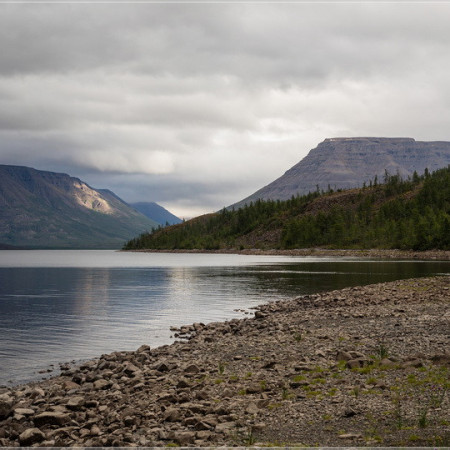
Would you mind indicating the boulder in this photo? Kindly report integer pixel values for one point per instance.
(31, 436)
(191, 368)
(184, 438)
(75, 403)
(102, 384)
(172, 415)
(51, 418)
(6, 404)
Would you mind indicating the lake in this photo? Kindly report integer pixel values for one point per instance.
(61, 306)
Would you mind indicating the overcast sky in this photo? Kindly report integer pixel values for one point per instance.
(196, 106)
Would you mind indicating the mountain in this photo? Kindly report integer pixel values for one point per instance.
(405, 214)
(40, 209)
(342, 163)
(156, 212)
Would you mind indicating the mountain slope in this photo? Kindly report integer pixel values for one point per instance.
(156, 212)
(40, 209)
(405, 214)
(342, 163)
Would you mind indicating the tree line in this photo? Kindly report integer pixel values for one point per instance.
(412, 213)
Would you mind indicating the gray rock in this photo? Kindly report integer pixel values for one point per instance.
(163, 367)
(131, 370)
(172, 415)
(225, 427)
(6, 404)
(75, 403)
(182, 384)
(191, 368)
(31, 436)
(204, 435)
(355, 363)
(260, 315)
(51, 418)
(184, 438)
(102, 384)
(24, 411)
(343, 356)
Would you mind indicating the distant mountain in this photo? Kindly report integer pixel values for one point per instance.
(156, 212)
(342, 163)
(41, 209)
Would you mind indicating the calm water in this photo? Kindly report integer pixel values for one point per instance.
(58, 306)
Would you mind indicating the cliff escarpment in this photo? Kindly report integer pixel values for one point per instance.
(343, 163)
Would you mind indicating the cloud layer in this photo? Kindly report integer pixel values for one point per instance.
(196, 106)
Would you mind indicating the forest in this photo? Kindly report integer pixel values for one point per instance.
(412, 213)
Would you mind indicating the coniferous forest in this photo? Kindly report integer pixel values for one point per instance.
(411, 213)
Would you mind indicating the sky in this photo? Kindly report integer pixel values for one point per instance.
(198, 105)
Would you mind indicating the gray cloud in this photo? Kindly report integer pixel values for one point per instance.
(199, 105)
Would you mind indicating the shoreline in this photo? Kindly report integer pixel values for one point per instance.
(328, 369)
(427, 255)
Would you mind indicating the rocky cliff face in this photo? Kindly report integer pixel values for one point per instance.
(47, 209)
(349, 162)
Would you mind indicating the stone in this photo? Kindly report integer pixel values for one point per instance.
(37, 392)
(184, 438)
(413, 363)
(143, 349)
(343, 356)
(204, 435)
(225, 427)
(51, 418)
(182, 384)
(252, 408)
(6, 404)
(349, 412)
(253, 388)
(386, 362)
(75, 403)
(191, 368)
(355, 363)
(129, 421)
(350, 436)
(297, 384)
(131, 370)
(441, 358)
(172, 415)
(24, 411)
(68, 385)
(102, 384)
(163, 367)
(31, 436)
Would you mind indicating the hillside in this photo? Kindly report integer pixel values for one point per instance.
(156, 212)
(41, 209)
(343, 163)
(404, 214)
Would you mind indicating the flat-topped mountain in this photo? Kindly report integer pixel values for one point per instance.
(40, 209)
(342, 163)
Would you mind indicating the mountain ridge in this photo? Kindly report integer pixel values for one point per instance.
(348, 162)
(156, 212)
(43, 209)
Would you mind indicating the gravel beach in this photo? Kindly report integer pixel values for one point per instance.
(362, 366)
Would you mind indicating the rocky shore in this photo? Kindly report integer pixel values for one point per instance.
(363, 366)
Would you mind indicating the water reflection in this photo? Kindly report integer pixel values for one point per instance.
(50, 314)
